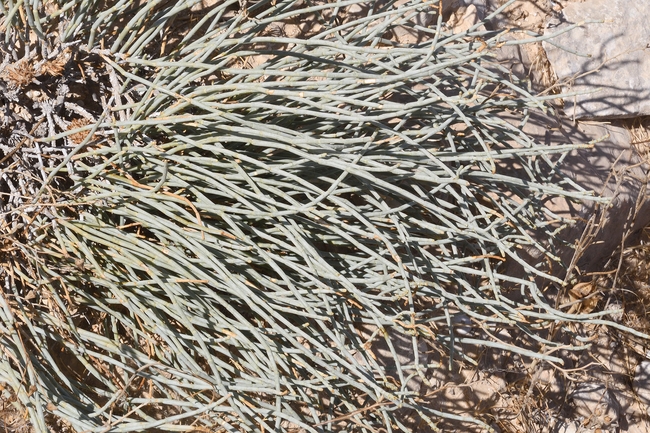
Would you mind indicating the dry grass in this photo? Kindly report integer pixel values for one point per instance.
(639, 129)
(631, 284)
(78, 137)
(20, 74)
(631, 280)
(11, 418)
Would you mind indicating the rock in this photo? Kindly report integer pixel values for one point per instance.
(467, 20)
(453, 6)
(463, 14)
(641, 383)
(549, 380)
(514, 57)
(487, 392)
(526, 61)
(613, 169)
(607, 61)
(596, 405)
(470, 398)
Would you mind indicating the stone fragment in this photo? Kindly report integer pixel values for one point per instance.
(292, 30)
(549, 380)
(463, 14)
(452, 394)
(514, 57)
(596, 405)
(606, 58)
(467, 20)
(613, 170)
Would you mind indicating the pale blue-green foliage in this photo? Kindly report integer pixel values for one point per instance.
(248, 202)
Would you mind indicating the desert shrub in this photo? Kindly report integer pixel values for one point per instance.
(214, 213)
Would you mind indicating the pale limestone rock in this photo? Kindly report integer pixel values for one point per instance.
(614, 171)
(453, 6)
(514, 57)
(607, 61)
(463, 14)
(451, 395)
(596, 405)
(292, 30)
(467, 20)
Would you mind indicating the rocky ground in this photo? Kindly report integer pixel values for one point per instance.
(605, 388)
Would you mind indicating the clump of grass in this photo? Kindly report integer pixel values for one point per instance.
(203, 243)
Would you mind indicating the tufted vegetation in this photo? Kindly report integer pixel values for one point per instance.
(214, 213)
